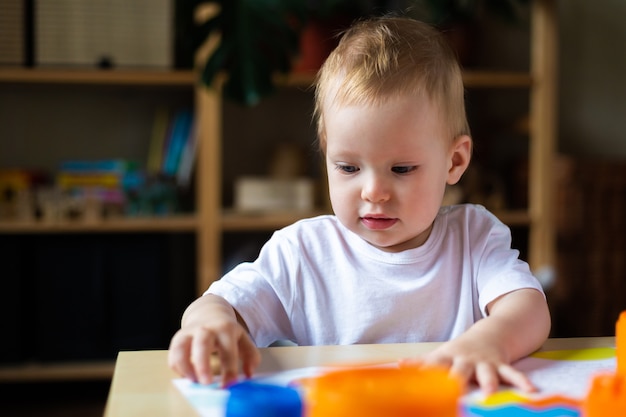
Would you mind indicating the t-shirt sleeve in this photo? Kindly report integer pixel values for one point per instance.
(499, 270)
(260, 292)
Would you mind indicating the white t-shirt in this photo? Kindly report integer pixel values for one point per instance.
(317, 283)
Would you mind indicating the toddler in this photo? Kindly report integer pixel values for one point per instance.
(391, 265)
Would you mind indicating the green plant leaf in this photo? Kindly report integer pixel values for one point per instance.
(258, 39)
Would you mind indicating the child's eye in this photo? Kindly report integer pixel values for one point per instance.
(403, 170)
(347, 169)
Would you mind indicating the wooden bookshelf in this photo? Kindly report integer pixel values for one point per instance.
(211, 220)
(58, 371)
(471, 78)
(495, 79)
(97, 77)
(233, 221)
(122, 224)
(475, 78)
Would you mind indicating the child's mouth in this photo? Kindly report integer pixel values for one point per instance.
(378, 223)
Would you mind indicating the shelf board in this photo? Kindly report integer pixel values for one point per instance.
(513, 217)
(233, 221)
(138, 224)
(496, 79)
(296, 79)
(471, 78)
(66, 371)
(97, 77)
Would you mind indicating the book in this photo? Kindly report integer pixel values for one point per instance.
(103, 166)
(180, 133)
(80, 180)
(188, 157)
(160, 131)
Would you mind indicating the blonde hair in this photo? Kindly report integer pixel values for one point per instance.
(390, 57)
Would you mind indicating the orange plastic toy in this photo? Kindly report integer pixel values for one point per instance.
(606, 397)
(368, 392)
(607, 394)
(620, 344)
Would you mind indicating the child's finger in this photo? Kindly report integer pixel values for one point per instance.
(487, 377)
(462, 369)
(516, 378)
(203, 345)
(228, 351)
(250, 356)
(179, 356)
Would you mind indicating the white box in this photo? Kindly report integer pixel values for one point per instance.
(266, 194)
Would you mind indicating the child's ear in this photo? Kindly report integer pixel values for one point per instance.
(460, 155)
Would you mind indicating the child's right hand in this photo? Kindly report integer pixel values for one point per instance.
(210, 326)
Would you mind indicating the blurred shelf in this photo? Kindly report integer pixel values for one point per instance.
(66, 371)
(497, 79)
(519, 217)
(186, 78)
(180, 223)
(234, 221)
(303, 80)
(472, 78)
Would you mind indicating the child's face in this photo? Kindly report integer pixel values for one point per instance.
(388, 167)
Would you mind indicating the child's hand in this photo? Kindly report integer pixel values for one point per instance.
(518, 323)
(210, 326)
(476, 362)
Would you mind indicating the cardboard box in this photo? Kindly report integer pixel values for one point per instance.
(266, 194)
(119, 33)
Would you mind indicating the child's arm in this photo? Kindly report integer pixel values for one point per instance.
(517, 325)
(211, 325)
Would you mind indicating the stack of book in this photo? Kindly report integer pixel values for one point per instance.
(16, 193)
(96, 188)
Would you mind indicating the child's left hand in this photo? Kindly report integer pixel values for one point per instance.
(476, 362)
(517, 324)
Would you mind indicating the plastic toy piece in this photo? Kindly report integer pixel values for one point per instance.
(607, 394)
(606, 397)
(365, 392)
(250, 398)
(620, 344)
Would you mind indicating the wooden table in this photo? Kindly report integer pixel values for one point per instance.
(142, 382)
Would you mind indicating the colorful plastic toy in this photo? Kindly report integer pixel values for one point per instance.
(607, 394)
(384, 391)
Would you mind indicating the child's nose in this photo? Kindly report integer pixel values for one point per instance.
(375, 190)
